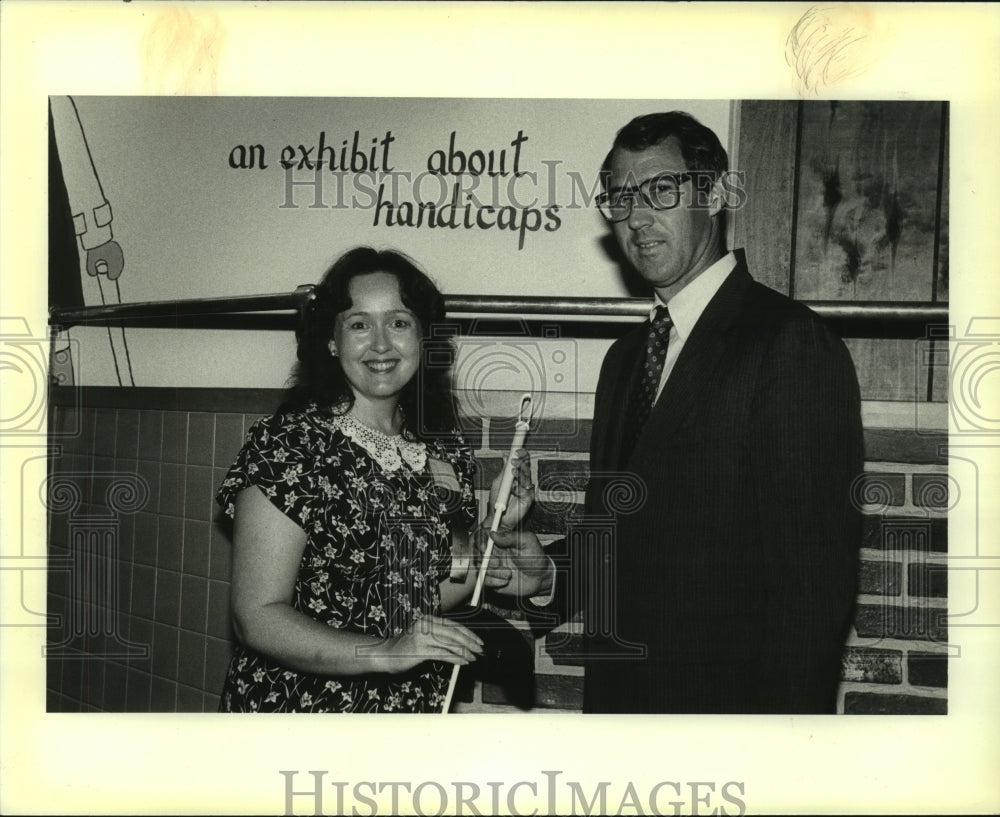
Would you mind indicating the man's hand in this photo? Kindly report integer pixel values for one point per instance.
(518, 566)
(522, 491)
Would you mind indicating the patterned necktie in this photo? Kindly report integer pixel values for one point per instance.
(648, 380)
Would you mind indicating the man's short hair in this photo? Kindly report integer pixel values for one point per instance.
(700, 147)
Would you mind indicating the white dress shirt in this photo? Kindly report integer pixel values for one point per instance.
(685, 309)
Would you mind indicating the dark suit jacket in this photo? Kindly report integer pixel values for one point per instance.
(717, 564)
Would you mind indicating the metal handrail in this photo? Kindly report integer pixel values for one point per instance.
(238, 305)
(851, 312)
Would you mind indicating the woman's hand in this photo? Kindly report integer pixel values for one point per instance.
(522, 492)
(430, 639)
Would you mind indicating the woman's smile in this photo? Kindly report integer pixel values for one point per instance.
(382, 366)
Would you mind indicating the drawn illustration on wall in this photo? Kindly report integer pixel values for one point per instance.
(92, 223)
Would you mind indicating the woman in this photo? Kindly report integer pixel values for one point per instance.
(347, 505)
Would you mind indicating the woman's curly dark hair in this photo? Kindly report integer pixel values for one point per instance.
(427, 400)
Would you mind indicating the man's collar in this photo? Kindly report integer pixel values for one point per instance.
(688, 304)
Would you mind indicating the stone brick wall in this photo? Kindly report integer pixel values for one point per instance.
(138, 589)
(897, 656)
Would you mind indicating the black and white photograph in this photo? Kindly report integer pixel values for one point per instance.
(652, 402)
(765, 550)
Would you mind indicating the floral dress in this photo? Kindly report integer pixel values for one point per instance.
(378, 544)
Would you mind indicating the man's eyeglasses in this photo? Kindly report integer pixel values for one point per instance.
(661, 192)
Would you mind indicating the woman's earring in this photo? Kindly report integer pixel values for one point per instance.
(332, 346)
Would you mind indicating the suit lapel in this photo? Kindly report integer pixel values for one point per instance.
(612, 419)
(702, 352)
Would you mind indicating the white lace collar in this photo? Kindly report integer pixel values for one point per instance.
(387, 451)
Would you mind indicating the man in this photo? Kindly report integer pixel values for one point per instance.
(726, 583)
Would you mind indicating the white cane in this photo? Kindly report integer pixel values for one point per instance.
(503, 497)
